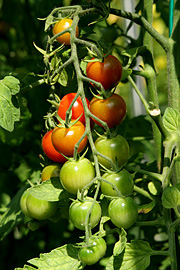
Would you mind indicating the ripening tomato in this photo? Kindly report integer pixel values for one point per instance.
(77, 109)
(49, 149)
(122, 180)
(74, 175)
(50, 171)
(111, 110)
(64, 139)
(108, 73)
(62, 25)
(116, 148)
(78, 211)
(123, 212)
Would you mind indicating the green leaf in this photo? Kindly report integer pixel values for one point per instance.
(12, 217)
(62, 258)
(146, 208)
(50, 190)
(131, 54)
(8, 112)
(136, 256)
(120, 245)
(171, 120)
(171, 197)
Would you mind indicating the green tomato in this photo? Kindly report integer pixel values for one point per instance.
(40, 209)
(89, 255)
(50, 171)
(74, 175)
(123, 212)
(122, 180)
(23, 203)
(116, 148)
(79, 210)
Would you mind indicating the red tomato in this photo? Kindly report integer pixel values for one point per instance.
(64, 139)
(62, 25)
(108, 73)
(111, 110)
(49, 149)
(77, 108)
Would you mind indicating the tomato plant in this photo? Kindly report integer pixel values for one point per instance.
(117, 149)
(40, 209)
(49, 149)
(74, 175)
(111, 110)
(62, 25)
(122, 180)
(123, 212)
(64, 138)
(77, 108)
(108, 72)
(78, 212)
(23, 205)
(49, 171)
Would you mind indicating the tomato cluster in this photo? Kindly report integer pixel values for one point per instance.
(66, 140)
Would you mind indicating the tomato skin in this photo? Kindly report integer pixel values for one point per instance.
(122, 180)
(113, 148)
(50, 171)
(111, 110)
(64, 139)
(108, 73)
(75, 175)
(77, 108)
(23, 203)
(62, 25)
(78, 212)
(40, 209)
(123, 212)
(49, 149)
(91, 255)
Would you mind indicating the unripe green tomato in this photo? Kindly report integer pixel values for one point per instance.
(122, 180)
(100, 243)
(79, 210)
(89, 255)
(123, 212)
(116, 148)
(74, 175)
(40, 209)
(23, 203)
(50, 171)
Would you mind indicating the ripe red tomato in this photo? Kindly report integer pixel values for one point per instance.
(77, 108)
(49, 149)
(123, 212)
(108, 73)
(74, 175)
(116, 148)
(111, 110)
(62, 25)
(64, 139)
(78, 211)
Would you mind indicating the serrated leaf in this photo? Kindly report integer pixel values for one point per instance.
(12, 217)
(50, 190)
(62, 258)
(171, 197)
(120, 245)
(135, 256)
(171, 120)
(8, 112)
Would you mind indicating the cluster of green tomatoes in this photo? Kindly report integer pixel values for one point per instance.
(78, 175)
